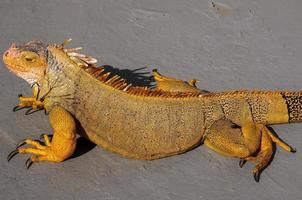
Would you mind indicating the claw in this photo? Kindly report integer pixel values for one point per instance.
(31, 111)
(21, 143)
(12, 154)
(257, 176)
(241, 162)
(293, 150)
(17, 108)
(28, 163)
(28, 112)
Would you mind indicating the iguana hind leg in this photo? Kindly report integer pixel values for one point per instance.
(228, 139)
(171, 84)
(252, 142)
(62, 144)
(223, 138)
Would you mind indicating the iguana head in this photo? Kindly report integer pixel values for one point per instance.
(27, 61)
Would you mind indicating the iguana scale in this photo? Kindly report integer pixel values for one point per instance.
(139, 122)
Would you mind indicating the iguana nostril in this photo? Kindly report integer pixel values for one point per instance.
(6, 53)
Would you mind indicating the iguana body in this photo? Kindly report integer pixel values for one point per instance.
(143, 123)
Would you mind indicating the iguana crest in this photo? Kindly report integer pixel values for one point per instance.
(87, 63)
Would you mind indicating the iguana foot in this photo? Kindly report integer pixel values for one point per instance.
(40, 150)
(30, 102)
(274, 139)
(57, 149)
(264, 156)
(170, 84)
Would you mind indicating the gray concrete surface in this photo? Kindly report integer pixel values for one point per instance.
(242, 44)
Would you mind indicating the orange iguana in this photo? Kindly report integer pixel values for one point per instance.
(140, 122)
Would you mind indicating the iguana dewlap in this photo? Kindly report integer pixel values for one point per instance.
(139, 122)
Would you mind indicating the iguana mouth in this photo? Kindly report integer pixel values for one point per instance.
(9, 57)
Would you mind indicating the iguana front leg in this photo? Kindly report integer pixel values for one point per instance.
(62, 145)
(30, 102)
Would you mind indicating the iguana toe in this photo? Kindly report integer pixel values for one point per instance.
(47, 139)
(241, 162)
(28, 102)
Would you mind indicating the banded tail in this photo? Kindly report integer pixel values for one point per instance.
(293, 101)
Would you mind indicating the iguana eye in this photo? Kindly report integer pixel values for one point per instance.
(30, 59)
(29, 56)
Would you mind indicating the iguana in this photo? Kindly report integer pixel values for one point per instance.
(139, 122)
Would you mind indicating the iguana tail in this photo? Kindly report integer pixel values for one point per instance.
(280, 107)
(267, 107)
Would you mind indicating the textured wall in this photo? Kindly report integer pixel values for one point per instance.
(242, 44)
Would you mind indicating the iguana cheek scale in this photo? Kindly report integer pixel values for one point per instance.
(144, 123)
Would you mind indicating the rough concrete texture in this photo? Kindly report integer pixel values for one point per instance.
(242, 44)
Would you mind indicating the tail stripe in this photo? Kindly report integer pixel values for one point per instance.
(294, 107)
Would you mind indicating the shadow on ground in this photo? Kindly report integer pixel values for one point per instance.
(138, 77)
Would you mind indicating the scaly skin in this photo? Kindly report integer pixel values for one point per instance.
(143, 123)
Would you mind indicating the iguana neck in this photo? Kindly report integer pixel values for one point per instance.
(58, 85)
